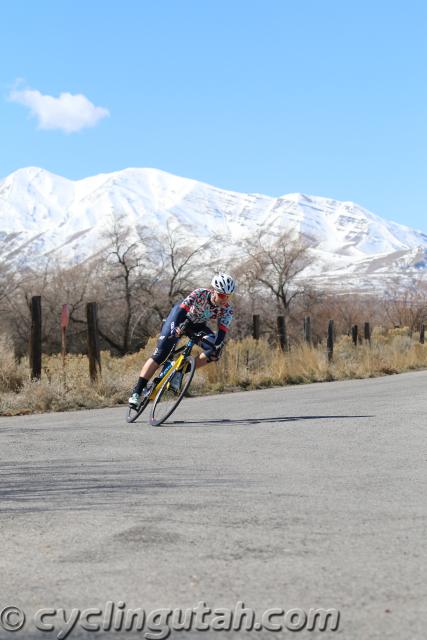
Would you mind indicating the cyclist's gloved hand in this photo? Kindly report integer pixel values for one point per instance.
(214, 352)
(180, 329)
(212, 346)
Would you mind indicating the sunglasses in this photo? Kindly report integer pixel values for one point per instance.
(224, 296)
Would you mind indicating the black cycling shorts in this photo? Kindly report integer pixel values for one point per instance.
(167, 340)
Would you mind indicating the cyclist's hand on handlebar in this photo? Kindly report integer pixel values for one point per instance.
(180, 329)
(214, 353)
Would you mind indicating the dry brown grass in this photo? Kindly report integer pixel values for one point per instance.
(246, 364)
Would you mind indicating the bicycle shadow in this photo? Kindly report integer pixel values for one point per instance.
(250, 421)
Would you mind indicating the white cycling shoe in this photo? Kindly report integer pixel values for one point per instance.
(134, 401)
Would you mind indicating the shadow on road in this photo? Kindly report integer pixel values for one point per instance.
(69, 485)
(239, 421)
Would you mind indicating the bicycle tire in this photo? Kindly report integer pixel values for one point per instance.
(132, 414)
(163, 405)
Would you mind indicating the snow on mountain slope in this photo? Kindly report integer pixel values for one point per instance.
(42, 213)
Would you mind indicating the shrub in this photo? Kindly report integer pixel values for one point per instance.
(246, 364)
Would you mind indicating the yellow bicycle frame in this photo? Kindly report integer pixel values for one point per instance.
(176, 364)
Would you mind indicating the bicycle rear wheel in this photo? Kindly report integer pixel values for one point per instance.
(133, 414)
(167, 399)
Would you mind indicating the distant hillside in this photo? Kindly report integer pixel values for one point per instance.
(42, 213)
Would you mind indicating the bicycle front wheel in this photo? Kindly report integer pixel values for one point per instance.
(168, 399)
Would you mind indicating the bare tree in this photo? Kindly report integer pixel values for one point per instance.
(405, 304)
(271, 267)
(274, 263)
(179, 261)
(56, 284)
(128, 279)
(12, 273)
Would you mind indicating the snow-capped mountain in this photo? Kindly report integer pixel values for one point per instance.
(42, 213)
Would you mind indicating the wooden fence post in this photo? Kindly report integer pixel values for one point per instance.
(255, 326)
(368, 332)
(36, 337)
(281, 328)
(354, 332)
(330, 340)
(93, 351)
(307, 329)
(422, 331)
(65, 317)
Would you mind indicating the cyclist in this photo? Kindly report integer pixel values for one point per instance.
(186, 318)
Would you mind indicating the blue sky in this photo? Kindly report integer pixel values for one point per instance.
(324, 97)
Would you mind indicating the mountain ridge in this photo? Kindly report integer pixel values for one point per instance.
(44, 213)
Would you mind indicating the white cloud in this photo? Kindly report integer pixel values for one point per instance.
(67, 112)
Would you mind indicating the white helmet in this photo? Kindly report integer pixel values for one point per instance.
(223, 283)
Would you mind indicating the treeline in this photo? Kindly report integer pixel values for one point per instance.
(141, 273)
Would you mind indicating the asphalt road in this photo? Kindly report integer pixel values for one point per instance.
(300, 497)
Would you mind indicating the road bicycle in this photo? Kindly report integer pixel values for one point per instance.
(166, 391)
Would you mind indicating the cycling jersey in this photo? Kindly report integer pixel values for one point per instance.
(200, 308)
